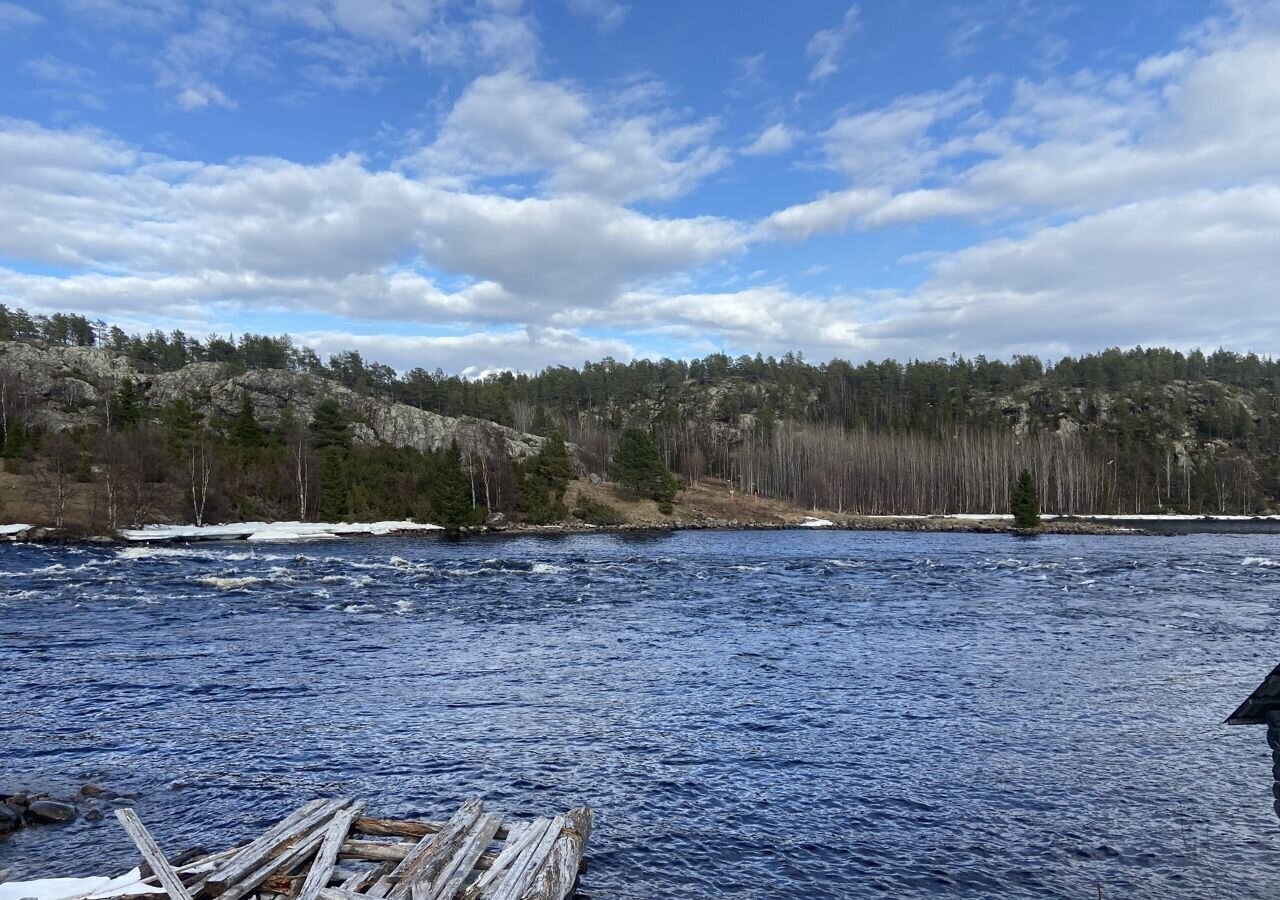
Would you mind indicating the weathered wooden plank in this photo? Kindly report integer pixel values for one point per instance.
(381, 851)
(413, 828)
(442, 850)
(327, 855)
(303, 850)
(448, 882)
(257, 851)
(401, 876)
(365, 881)
(526, 866)
(558, 874)
(169, 879)
(337, 893)
(527, 836)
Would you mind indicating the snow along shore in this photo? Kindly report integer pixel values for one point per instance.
(269, 531)
(68, 888)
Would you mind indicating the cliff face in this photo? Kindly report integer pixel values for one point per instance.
(67, 387)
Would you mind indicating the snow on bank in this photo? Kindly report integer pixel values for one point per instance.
(6, 530)
(270, 531)
(811, 522)
(68, 888)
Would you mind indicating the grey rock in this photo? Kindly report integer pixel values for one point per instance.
(595, 478)
(50, 811)
(93, 815)
(496, 521)
(10, 818)
(92, 790)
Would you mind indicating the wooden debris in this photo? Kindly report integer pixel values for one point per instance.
(133, 827)
(328, 850)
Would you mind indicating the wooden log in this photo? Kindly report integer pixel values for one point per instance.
(364, 881)
(327, 855)
(444, 847)
(401, 876)
(285, 862)
(337, 893)
(380, 851)
(523, 869)
(169, 879)
(559, 872)
(256, 852)
(413, 828)
(528, 835)
(449, 881)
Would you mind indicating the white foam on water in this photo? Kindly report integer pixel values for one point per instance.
(404, 606)
(229, 583)
(1264, 562)
(547, 569)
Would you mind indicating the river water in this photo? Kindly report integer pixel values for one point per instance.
(752, 714)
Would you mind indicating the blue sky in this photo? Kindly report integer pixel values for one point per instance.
(478, 185)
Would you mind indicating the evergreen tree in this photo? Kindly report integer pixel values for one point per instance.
(245, 432)
(329, 426)
(543, 480)
(1025, 503)
(638, 468)
(451, 492)
(335, 484)
(128, 408)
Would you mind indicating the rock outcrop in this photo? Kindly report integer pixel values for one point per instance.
(67, 387)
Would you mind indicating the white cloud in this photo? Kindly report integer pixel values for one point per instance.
(512, 124)
(13, 17)
(474, 353)
(775, 139)
(609, 13)
(826, 46)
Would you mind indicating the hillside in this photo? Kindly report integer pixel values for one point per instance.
(143, 428)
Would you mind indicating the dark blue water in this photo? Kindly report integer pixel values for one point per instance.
(761, 714)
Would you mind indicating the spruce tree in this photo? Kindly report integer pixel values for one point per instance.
(451, 493)
(329, 426)
(639, 469)
(245, 432)
(543, 480)
(1025, 504)
(128, 409)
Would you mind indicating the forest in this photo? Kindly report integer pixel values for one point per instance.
(1139, 430)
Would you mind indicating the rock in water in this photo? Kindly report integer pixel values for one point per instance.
(10, 818)
(50, 811)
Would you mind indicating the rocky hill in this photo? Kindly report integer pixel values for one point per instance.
(65, 388)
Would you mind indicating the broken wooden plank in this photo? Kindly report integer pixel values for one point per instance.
(528, 835)
(443, 848)
(169, 879)
(302, 850)
(559, 873)
(396, 884)
(379, 851)
(327, 855)
(337, 893)
(414, 828)
(259, 850)
(449, 880)
(523, 870)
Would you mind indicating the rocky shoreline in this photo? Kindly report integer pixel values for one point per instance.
(26, 809)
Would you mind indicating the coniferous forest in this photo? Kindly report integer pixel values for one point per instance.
(1120, 431)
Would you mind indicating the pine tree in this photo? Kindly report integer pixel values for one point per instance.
(638, 468)
(1025, 504)
(451, 493)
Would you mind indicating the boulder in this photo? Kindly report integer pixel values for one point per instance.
(10, 818)
(51, 811)
(496, 521)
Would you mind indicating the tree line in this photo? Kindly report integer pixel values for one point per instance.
(1138, 430)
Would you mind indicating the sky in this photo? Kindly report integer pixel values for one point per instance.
(478, 185)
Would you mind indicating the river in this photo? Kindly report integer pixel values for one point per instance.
(752, 714)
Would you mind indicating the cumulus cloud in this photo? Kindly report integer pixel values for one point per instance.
(513, 124)
(827, 46)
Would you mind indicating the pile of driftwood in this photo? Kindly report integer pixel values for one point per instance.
(328, 850)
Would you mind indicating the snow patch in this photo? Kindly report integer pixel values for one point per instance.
(14, 529)
(271, 531)
(68, 888)
(811, 522)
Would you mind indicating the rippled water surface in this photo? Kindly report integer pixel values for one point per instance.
(760, 714)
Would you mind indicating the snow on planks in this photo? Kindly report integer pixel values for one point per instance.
(328, 850)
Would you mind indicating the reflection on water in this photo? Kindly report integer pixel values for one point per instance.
(751, 714)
